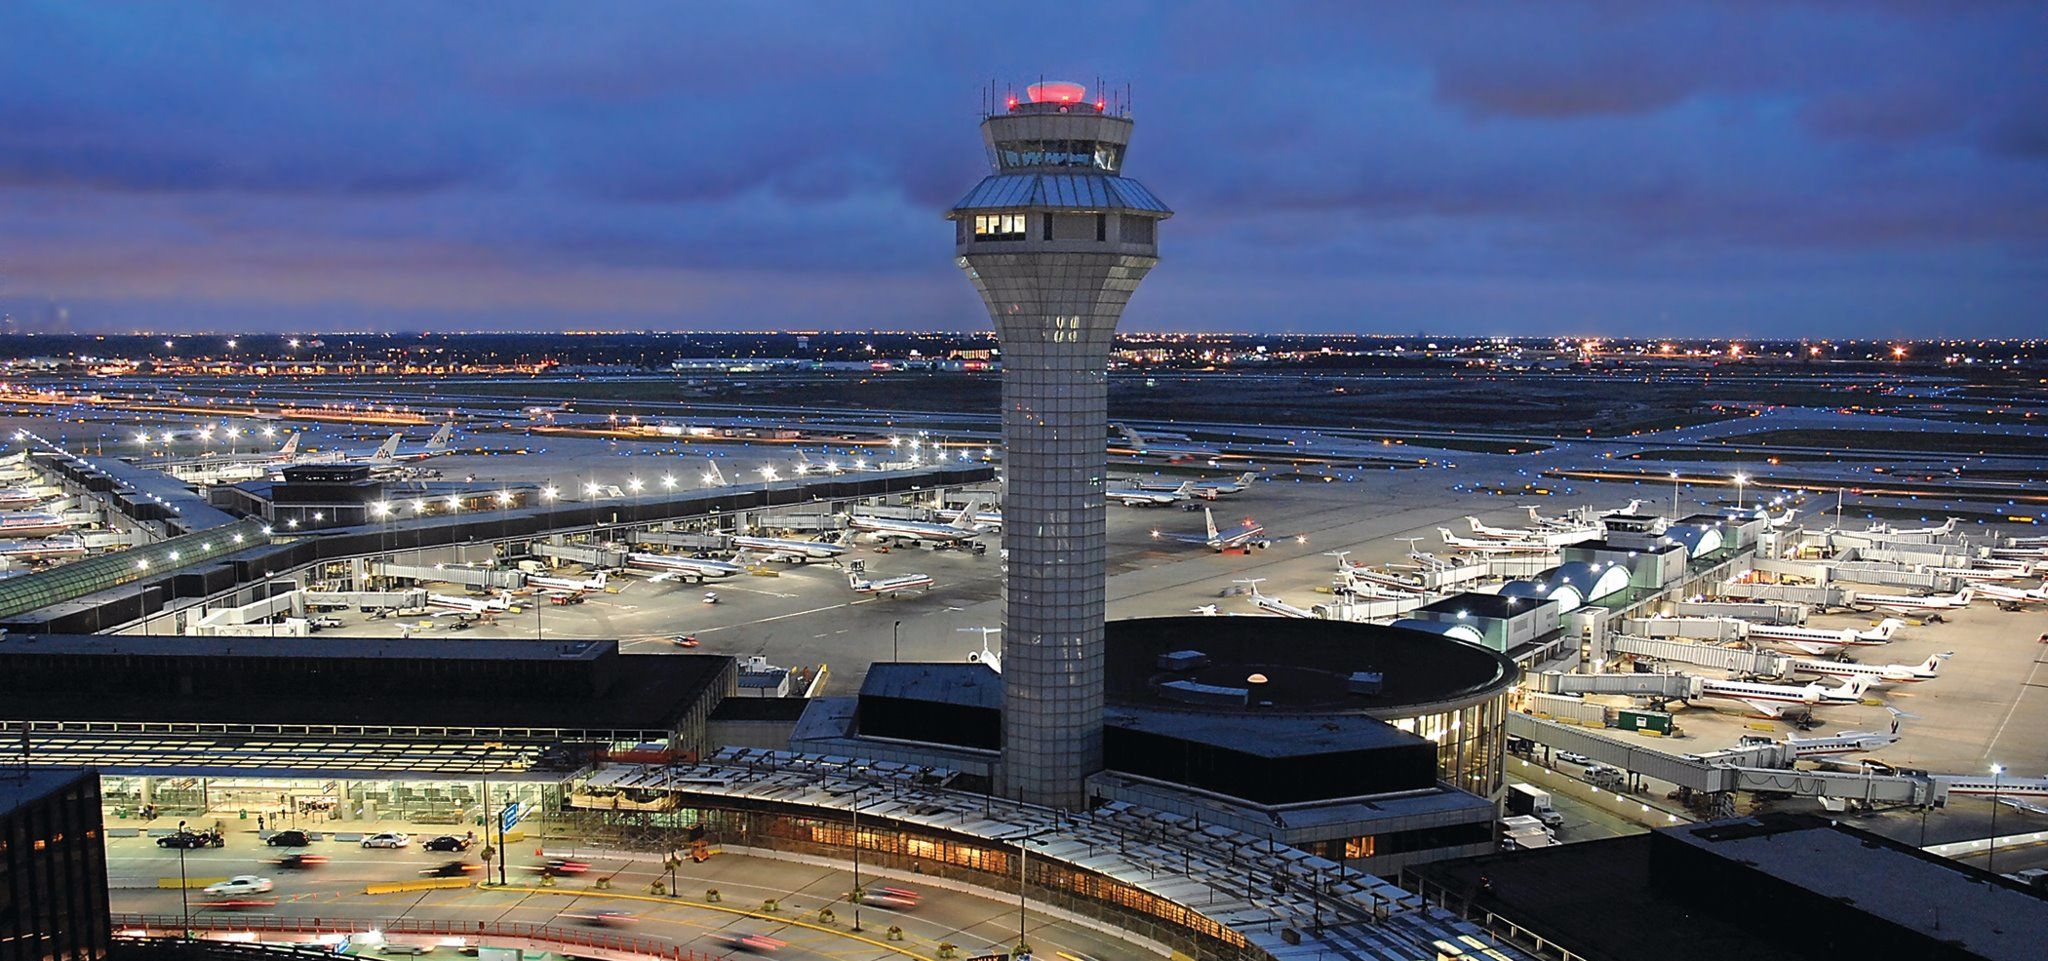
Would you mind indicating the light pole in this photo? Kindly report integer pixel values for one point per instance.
(1740, 479)
(895, 631)
(1991, 856)
(1674, 495)
(858, 895)
(1024, 842)
(184, 886)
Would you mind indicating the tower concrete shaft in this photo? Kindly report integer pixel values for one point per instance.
(1055, 242)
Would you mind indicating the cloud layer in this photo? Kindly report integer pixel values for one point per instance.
(1824, 168)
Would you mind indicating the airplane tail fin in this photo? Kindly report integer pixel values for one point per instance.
(1209, 521)
(1933, 662)
(291, 444)
(1886, 628)
(1534, 518)
(1633, 506)
(442, 435)
(388, 449)
(716, 476)
(1449, 538)
(1964, 596)
(599, 579)
(1477, 527)
(965, 519)
(1248, 477)
(1135, 439)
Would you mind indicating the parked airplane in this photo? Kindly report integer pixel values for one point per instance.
(1880, 675)
(1912, 603)
(1150, 496)
(1212, 489)
(1579, 517)
(1271, 604)
(789, 551)
(1773, 700)
(1553, 538)
(1998, 786)
(32, 524)
(1174, 447)
(1988, 573)
(18, 498)
(1493, 547)
(60, 546)
(1246, 535)
(668, 567)
(2012, 598)
(437, 445)
(961, 528)
(567, 585)
(858, 579)
(286, 453)
(1948, 527)
(1819, 642)
(1847, 742)
(448, 605)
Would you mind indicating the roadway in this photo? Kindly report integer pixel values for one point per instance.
(335, 891)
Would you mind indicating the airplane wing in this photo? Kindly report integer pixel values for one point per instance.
(450, 613)
(1766, 708)
(2026, 806)
(664, 576)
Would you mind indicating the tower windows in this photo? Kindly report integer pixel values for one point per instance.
(999, 227)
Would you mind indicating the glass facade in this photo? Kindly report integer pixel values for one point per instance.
(1469, 743)
(317, 803)
(53, 871)
(1010, 226)
(1103, 156)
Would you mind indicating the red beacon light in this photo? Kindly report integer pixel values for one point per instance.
(1056, 91)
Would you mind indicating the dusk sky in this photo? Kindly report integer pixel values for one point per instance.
(1629, 168)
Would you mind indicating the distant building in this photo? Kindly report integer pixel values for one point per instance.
(53, 867)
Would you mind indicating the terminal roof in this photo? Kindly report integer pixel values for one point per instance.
(19, 786)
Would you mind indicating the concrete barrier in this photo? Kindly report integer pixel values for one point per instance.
(189, 883)
(425, 884)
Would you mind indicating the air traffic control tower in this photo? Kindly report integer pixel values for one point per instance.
(1056, 240)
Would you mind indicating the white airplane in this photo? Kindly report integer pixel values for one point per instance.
(1910, 603)
(789, 551)
(1819, 642)
(1247, 535)
(1773, 700)
(2013, 597)
(448, 605)
(1553, 538)
(1946, 528)
(1493, 547)
(1999, 786)
(1847, 742)
(60, 546)
(567, 585)
(1979, 574)
(1880, 675)
(858, 579)
(1150, 497)
(286, 453)
(32, 524)
(17, 498)
(1579, 518)
(993, 659)
(668, 567)
(1174, 447)
(1212, 489)
(1273, 605)
(961, 528)
(437, 445)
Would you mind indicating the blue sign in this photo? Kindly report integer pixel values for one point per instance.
(509, 815)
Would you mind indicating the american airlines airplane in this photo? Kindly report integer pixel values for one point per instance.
(789, 551)
(1554, 538)
(2013, 598)
(567, 585)
(1913, 603)
(1819, 642)
(1773, 700)
(1880, 675)
(1493, 547)
(858, 579)
(448, 605)
(1150, 496)
(1847, 742)
(1174, 447)
(961, 528)
(32, 524)
(668, 567)
(1246, 535)
(1578, 518)
(60, 546)
(1274, 605)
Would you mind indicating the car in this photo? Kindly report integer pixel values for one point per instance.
(240, 884)
(386, 840)
(452, 869)
(191, 839)
(446, 842)
(602, 919)
(288, 839)
(684, 640)
(1571, 758)
(300, 862)
(564, 866)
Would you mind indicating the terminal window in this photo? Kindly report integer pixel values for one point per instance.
(999, 226)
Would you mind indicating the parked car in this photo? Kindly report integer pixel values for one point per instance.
(192, 839)
(1571, 758)
(446, 842)
(386, 840)
(241, 884)
(288, 839)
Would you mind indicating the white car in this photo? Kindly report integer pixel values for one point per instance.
(386, 840)
(1569, 757)
(244, 884)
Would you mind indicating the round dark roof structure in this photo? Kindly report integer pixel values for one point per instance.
(1275, 665)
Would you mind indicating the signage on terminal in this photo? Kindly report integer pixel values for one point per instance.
(512, 813)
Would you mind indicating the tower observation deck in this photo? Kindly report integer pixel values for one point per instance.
(1056, 241)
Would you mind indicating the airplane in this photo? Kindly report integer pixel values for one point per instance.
(1946, 528)
(1880, 675)
(32, 524)
(466, 607)
(288, 452)
(673, 566)
(1847, 742)
(1577, 519)
(1998, 573)
(1149, 496)
(962, 527)
(1246, 535)
(567, 585)
(792, 551)
(16, 498)
(1773, 700)
(1555, 538)
(60, 546)
(1355, 573)
(2012, 598)
(993, 659)
(1998, 786)
(437, 445)
(1493, 547)
(858, 579)
(2019, 805)
(1815, 641)
(1174, 447)
(1911, 603)
(1212, 489)
(1274, 605)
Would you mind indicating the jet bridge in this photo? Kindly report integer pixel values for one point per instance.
(1758, 663)
(501, 578)
(1633, 685)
